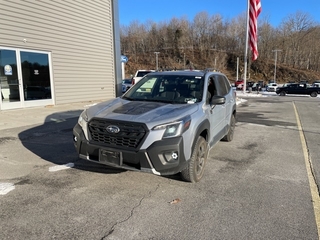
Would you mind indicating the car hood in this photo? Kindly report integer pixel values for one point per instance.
(140, 111)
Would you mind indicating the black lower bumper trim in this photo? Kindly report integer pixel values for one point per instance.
(163, 157)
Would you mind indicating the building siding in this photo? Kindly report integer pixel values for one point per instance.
(80, 37)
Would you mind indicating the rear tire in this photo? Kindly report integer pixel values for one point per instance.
(195, 168)
(314, 94)
(229, 136)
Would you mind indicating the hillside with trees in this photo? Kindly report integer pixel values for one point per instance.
(212, 42)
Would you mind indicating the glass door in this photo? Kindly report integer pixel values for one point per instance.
(9, 80)
(25, 79)
(36, 78)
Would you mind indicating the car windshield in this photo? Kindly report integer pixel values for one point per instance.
(167, 88)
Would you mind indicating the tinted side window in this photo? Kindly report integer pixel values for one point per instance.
(227, 83)
(222, 88)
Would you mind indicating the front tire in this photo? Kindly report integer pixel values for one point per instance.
(195, 168)
(282, 93)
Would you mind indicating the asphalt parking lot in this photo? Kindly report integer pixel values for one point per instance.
(255, 187)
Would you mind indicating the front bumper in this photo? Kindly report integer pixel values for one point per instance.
(165, 157)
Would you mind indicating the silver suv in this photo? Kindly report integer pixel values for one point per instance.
(165, 124)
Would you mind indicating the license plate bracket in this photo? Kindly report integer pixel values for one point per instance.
(110, 157)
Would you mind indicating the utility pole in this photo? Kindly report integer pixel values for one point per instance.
(157, 53)
(237, 69)
(275, 63)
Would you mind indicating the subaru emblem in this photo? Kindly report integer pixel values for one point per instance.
(113, 129)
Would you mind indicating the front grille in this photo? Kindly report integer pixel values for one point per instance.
(130, 134)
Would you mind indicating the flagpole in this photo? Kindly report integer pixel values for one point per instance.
(246, 50)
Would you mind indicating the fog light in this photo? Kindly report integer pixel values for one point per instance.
(169, 157)
(174, 155)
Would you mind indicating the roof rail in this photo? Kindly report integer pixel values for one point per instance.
(211, 70)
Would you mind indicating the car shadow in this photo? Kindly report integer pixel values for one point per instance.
(53, 142)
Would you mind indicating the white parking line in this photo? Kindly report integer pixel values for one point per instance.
(6, 187)
(61, 167)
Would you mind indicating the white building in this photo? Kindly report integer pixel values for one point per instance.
(55, 52)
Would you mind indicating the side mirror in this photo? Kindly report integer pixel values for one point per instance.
(218, 100)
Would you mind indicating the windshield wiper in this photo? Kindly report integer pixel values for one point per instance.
(139, 99)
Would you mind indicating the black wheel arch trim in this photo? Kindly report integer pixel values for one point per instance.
(204, 126)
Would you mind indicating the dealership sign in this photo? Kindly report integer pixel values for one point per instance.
(124, 59)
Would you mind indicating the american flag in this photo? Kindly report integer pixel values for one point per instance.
(255, 9)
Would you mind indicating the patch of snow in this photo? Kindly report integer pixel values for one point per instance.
(61, 167)
(6, 187)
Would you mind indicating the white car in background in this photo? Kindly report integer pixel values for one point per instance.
(140, 74)
(316, 83)
(272, 87)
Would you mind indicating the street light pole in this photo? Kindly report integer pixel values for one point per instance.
(275, 63)
(237, 69)
(156, 60)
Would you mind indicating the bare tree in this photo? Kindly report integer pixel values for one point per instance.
(211, 41)
(295, 29)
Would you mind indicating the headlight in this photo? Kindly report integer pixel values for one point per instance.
(83, 119)
(174, 129)
(83, 122)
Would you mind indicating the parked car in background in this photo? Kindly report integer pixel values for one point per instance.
(297, 88)
(271, 87)
(256, 87)
(140, 74)
(239, 84)
(126, 84)
(261, 83)
(123, 88)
